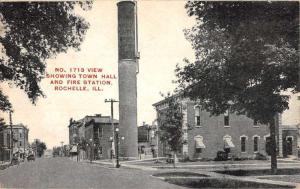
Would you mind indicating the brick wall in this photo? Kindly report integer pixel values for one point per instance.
(212, 130)
(289, 142)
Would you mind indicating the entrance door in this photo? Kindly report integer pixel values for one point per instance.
(268, 146)
(289, 146)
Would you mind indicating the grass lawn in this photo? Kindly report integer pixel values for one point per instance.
(286, 178)
(240, 172)
(219, 183)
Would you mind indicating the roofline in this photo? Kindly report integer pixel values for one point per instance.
(164, 100)
(20, 125)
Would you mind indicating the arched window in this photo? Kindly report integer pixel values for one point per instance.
(256, 143)
(226, 118)
(197, 116)
(228, 142)
(199, 145)
(243, 139)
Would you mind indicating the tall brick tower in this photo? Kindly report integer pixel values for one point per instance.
(128, 69)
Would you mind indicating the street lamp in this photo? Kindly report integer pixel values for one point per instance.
(111, 139)
(117, 146)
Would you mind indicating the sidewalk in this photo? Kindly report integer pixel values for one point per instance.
(111, 164)
(152, 165)
(205, 168)
(216, 164)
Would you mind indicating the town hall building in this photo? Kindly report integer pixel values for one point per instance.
(204, 135)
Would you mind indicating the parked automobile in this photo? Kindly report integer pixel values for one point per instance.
(30, 157)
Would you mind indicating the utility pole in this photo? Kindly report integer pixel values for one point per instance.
(112, 101)
(62, 146)
(24, 134)
(11, 136)
(36, 147)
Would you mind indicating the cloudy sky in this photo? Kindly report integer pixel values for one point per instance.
(161, 44)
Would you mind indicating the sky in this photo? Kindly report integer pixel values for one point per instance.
(162, 45)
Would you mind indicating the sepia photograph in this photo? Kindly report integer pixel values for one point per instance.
(133, 94)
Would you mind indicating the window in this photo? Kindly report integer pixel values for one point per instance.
(255, 143)
(100, 131)
(100, 150)
(243, 144)
(8, 140)
(228, 142)
(20, 143)
(20, 135)
(198, 150)
(226, 118)
(199, 145)
(197, 116)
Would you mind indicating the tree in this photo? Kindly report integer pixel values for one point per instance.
(82, 144)
(246, 55)
(2, 122)
(55, 151)
(40, 147)
(170, 124)
(31, 33)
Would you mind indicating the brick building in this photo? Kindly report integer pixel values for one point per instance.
(205, 135)
(290, 140)
(20, 143)
(289, 128)
(93, 136)
(147, 141)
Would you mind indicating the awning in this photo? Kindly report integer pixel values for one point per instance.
(74, 149)
(228, 143)
(199, 142)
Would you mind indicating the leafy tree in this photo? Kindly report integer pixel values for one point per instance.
(55, 151)
(5, 105)
(2, 122)
(82, 144)
(39, 146)
(246, 55)
(170, 124)
(31, 33)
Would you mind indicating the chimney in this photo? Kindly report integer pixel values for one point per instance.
(127, 71)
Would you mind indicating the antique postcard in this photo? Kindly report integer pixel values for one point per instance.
(149, 94)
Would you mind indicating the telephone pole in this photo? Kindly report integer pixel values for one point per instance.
(11, 136)
(62, 148)
(112, 101)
